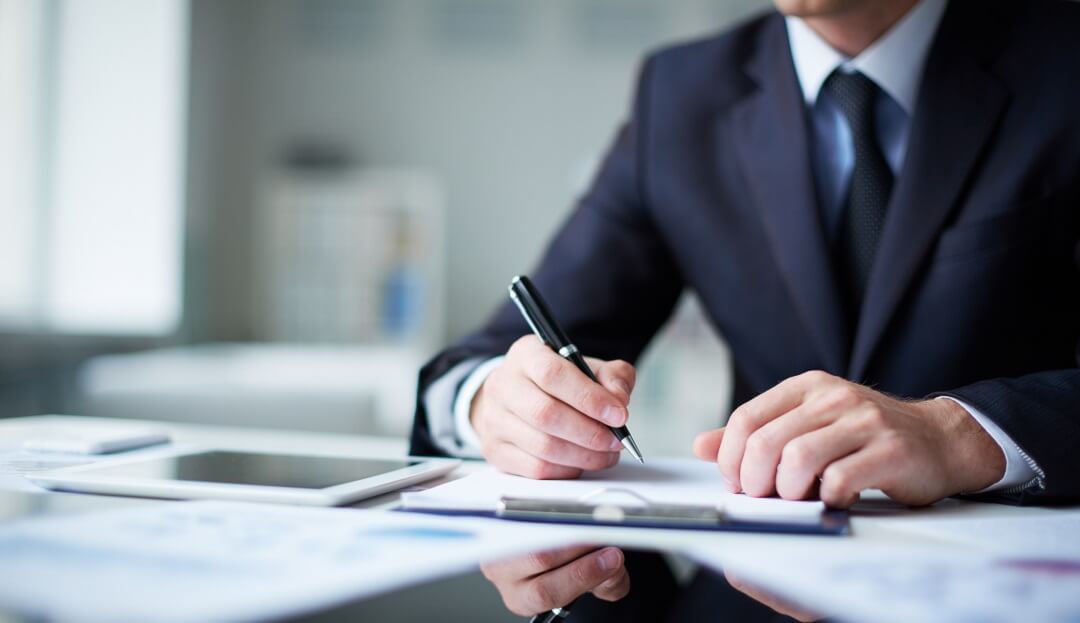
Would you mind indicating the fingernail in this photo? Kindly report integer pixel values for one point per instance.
(731, 486)
(613, 416)
(609, 559)
(615, 443)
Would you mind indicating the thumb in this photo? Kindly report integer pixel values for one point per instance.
(618, 377)
(707, 444)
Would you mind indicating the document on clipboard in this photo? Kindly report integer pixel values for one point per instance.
(664, 493)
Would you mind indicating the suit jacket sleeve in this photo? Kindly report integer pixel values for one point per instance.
(607, 275)
(1041, 413)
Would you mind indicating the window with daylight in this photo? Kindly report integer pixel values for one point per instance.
(92, 142)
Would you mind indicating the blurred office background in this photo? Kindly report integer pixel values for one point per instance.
(271, 212)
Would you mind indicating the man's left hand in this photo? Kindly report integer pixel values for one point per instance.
(820, 434)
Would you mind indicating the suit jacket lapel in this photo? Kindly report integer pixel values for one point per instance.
(770, 132)
(959, 106)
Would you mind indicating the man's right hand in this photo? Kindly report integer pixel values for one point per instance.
(538, 416)
(542, 581)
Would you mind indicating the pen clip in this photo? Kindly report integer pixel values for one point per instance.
(592, 496)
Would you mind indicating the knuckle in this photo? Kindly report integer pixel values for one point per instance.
(816, 376)
(796, 455)
(843, 396)
(549, 471)
(520, 346)
(543, 471)
(517, 608)
(740, 420)
(590, 398)
(548, 371)
(545, 413)
(597, 460)
(534, 468)
(548, 447)
(581, 575)
(621, 590)
(623, 369)
(836, 480)
(599, 438)
(895, 449)
(541, 561)
(539, 597)
(759, 443)
(872, 416)
(729, 466)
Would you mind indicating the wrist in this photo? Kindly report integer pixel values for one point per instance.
(973, 459)
(475, 408)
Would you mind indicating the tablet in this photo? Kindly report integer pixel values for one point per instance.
(218, 474)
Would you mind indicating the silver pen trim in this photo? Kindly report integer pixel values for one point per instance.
(631, 447)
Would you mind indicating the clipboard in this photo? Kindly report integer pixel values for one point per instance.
(603, 507)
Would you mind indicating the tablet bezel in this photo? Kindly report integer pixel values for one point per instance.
(84, 479)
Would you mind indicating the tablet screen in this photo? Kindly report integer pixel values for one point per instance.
(248, 468)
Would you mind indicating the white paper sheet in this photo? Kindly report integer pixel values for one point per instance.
(854, 580)
(16, 462)
(1048, 534)
(670, 481)
(216, 561)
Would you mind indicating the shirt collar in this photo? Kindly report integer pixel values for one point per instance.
(894, 62)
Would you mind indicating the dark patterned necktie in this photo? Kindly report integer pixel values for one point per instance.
(871, 184)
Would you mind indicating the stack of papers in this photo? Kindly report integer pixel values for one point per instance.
(1050, 535)
(215, 561)
(900, 582)
(664, 481)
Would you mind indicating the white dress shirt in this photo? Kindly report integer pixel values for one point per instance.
(895, 63)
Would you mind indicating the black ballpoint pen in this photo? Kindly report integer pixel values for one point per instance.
(542, 322)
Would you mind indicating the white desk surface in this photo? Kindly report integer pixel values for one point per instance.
(875, 520)
(869, 519)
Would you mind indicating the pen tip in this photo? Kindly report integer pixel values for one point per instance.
(631, 447)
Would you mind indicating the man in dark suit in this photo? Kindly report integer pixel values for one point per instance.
(878, 204)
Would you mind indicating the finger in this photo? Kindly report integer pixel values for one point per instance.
(560, 586)
(753, 414)
(513, 460)
(524, 567)
(843, 480)
(554, 450)
(617, 376)
(615, 588)
(757, 473)
(560, 378)
(805, 458)
(707, 444)
(550, 415)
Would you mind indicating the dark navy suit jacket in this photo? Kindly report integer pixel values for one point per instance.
(976, 288)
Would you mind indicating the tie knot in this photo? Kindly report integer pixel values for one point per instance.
(854, 94)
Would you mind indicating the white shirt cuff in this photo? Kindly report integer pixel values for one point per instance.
(439, 407)
(1020, 469)
(447, 402)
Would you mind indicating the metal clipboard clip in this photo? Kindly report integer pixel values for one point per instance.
(598, 507)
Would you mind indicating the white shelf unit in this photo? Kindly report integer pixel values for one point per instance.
(354, 257)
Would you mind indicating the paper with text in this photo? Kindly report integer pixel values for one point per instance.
(217, 561)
